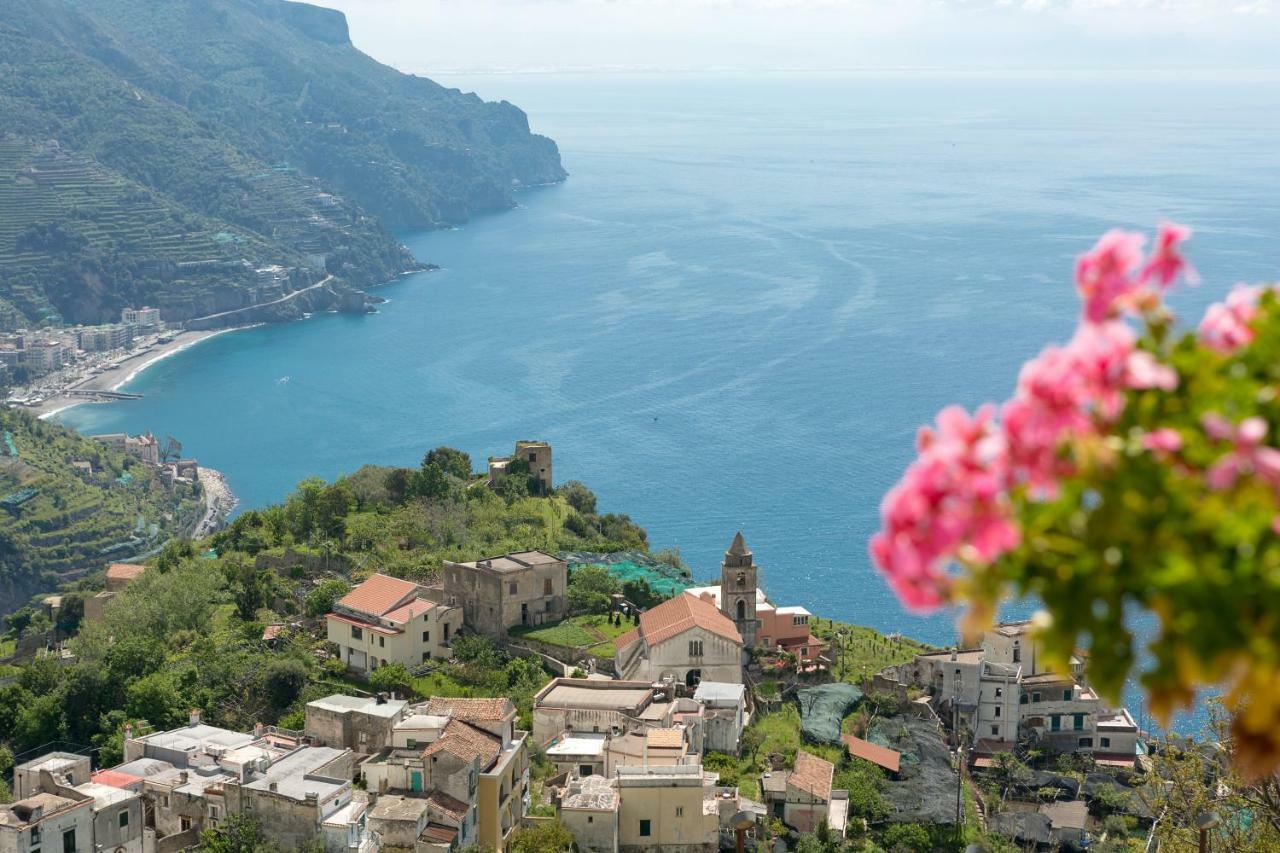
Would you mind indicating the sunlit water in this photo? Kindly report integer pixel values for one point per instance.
(744, 301)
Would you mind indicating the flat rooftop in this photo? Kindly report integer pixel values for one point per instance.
(196, 738)
(596, 696)
(105, 795)
(340, 702)
(577, 745)
(516, 562)
(719, 691)
(593, 793)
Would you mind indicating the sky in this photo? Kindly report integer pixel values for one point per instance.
(437, 36)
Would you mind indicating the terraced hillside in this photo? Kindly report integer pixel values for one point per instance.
(58, 521)
(148, 146)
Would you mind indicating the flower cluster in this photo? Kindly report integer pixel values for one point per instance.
(1131, 467)
(953, 502)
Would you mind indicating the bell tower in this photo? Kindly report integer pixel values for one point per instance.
(738, 584)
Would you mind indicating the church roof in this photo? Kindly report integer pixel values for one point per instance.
(739, 547)
(679, 614)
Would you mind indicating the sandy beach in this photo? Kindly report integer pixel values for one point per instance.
(123, 371)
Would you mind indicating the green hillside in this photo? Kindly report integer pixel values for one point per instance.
(58, 522)
(144, 142)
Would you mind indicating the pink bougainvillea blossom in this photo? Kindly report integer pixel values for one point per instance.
(1166, 263)
(1143, 370)
(1108, 273)
(1248, 454)
(1226, 326)
(1163, 441)
(953, 495)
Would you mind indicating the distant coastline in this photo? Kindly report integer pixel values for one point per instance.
(124, 372)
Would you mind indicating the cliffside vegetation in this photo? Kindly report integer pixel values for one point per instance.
(145, 148)
(58, 520)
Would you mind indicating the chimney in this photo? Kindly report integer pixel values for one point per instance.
(128, 731)
(953, 654)
(193, 717)
(258, 730)
(272, 787)
(182, 777)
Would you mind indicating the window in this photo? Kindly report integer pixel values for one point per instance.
(1104, 742)
(426, 656)
(511, 588)
(999, 692)
(1066, 695)
(799, 620)
(695, 648)
(356, 633)
(426, 636)
(742, 579)
(679, 811)
(35, 835)
(742, 610)
(1035, 697)
(804, 651)
(644, 829)
(124, 816)
(1017, 654)
(412, 743)
(1077, 722)
(1086, 742)
(995, 731)
(364, 737)
(382, 641)
(164, 801)
(590, 819)
(997, 710)
(584, 769)
(546, 586)
(69, 841)
(533, 457)
(1055, 723)
(184, 823)
(1022, 700)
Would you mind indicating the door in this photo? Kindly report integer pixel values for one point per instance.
(524, 614)
(415, 780)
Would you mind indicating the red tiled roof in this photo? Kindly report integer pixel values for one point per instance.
(115, 778)
(378, 595)
(405, 614)
(366, 624)
(271, 632)
(889, 759)
(487, 710)
(677, 615)
(665, 738)
(812, 775)
(448, 805)
(438, 833)
(466, 742)
(624, 641)
(124, 571)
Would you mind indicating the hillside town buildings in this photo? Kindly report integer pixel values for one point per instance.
(387, 619)
(684, 640)
(119, 576)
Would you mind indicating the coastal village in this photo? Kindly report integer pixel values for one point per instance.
(714, 718)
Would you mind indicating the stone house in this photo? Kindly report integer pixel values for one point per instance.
(384, 619)
(537, 454)
(803, 797)
(684, 639)
(119, 576)
(500, 593)
(589, 810)
(47, 822)
(59, 791)
(362, 725)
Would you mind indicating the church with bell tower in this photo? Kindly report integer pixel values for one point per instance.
(738, 583)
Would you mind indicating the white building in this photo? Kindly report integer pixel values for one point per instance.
(385, 619)
(684, 639)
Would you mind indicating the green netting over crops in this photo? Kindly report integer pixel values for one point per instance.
(822, 709)
(626, 566)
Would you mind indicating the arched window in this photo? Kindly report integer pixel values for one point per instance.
(742, 578)
(742, 610)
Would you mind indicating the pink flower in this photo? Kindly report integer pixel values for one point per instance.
(1107, 273)
(1163, 441)
(1166, 262)
(1248, 455)
(1226, 325)
(1142, 370)
(953, 496)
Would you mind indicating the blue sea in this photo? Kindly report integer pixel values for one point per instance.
(746, 298)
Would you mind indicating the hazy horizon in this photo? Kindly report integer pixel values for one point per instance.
(433, 36)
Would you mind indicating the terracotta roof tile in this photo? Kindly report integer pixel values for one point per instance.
(812, 775)
(438, 833)
(889, 759)
(124, 571)
(471, 710)
(378, 595)
(677, 615)
(466, 742)
(115, 778)
(665, 738)
(405, 614)
(449, 806)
